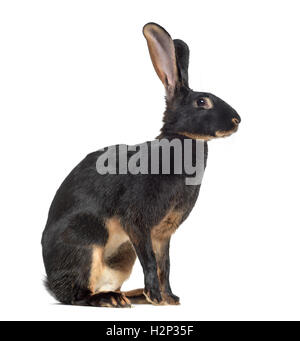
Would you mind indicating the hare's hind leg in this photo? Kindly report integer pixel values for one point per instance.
(90, 273)
(86, 280)
(107, 274)
(111, 265)
(111, 299)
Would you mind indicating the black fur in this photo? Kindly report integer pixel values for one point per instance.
(86, 199)
(182, 57)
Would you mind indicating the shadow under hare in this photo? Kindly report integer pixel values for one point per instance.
(99, 222)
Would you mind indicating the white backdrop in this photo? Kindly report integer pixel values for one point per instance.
(76, 76)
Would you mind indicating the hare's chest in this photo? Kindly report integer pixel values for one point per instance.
(167, 226)
(176, 215)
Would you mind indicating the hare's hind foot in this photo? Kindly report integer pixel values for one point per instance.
(111, 299)
(138, 296)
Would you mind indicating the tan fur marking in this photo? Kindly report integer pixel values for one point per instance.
(155, 302)
(126, 300)
(119, 253)
(117, 257)
(167, 226)
(114, 302)
(196, 136)
(221, 133)
(235, 121)
(134, 292)
(96, 267)
(123, 258)
(136, 296)
(110, 280)
(208, 105)
(116, 236)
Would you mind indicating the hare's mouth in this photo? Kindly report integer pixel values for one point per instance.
(218, 133)
(195, 136)
(225, 133)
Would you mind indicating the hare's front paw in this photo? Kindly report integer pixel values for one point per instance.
(170, 298)
(153, 296)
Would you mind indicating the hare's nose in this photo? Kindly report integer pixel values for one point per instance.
(237, 117)
(236, 120)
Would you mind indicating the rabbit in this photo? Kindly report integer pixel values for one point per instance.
(99, 223)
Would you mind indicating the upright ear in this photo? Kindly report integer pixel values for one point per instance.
(182, 56)
(162, 53)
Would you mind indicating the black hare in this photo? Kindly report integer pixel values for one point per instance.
(98, 224)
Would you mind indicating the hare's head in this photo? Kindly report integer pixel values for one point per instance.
(198, 115)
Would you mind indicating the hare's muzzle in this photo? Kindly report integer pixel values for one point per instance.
(236, 121)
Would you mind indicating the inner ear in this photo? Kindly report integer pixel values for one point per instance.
(162, 53)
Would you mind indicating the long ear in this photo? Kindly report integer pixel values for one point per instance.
(182, 57)
(162, 53)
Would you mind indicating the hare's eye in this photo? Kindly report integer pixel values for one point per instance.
(201, 102)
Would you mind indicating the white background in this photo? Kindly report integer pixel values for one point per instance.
(76, 76)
